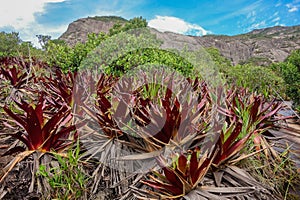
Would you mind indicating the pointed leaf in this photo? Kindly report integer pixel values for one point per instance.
(182, 164)
(34, 128)
(172, 177)
(18, 119)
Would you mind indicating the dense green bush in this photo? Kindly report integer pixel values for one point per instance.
(153, 56)
(9, 43)
(12, 45)
(222, 63)
(290, 72)
(134, 23)
(70, 58)
(256, 78)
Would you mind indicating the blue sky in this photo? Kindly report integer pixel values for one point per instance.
(195, 17)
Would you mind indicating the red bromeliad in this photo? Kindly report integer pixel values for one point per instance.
(246, 116)
(184, 175)
(41, 132)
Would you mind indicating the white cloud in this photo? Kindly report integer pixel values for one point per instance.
(292, 8)
(176, 25)
(19, 15)
(258, 25)
(276, 19)
(29, 34)
(251, 16)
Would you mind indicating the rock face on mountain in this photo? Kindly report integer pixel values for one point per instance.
(261, 46)
(78, 30)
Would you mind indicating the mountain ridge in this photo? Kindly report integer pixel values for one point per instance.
(260, 46)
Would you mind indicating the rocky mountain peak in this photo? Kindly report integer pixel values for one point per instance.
(78, 30)
(260, 46)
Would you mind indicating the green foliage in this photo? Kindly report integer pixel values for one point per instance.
(135, 23)
(43, 40)
(151, 56)
(294, 59)
(68, 180)
(12, 45)
(118, 46)
(290, 72)
(256, 78)
(70, 58)
(109, 19)
(223, 64)
(9, 43)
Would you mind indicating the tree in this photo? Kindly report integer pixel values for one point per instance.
(9, 44)
(43, 40)
(134, 23)
(12, 45)
(154, 56)
(222, 63)
(294, 59)
(70, 58)
(256, 78)
(289, 70)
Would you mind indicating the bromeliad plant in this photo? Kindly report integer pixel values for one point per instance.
(146, 124)
(14, 76)
(156, 122)
(176, 115)
(102, 113)
(41, 131)
(183, 176)
(16, 71)
(61, 86)
(247, 117)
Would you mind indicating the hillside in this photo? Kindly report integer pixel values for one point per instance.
(261, 46)
(78, 30)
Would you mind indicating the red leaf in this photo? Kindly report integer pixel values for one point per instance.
(164, 187)
(172, 177)
(34, 128)
(201, 169)
(254, 109)
(276, 108)
(39, 110)
(18, 119)
(53, 122)
(182, 164)
(193, 166)
(55, 140)
(236, 147)
(233, 136)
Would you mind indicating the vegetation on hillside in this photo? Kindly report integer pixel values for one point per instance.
(289, 70)
(11, 45)
(110, 19)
